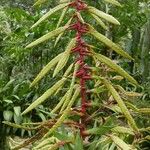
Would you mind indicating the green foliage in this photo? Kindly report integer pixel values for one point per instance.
(114, 116)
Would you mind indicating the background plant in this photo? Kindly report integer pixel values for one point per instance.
(60, 46)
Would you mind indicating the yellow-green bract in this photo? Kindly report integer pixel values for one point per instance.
(48, 14)
(121, 104)
(49, 92)
(108, 42)
(99, 21)
(47, 36)
(103, 15)
(46, 69)
(64, 59)
(114, 2)
(120, 143)
(115, 67)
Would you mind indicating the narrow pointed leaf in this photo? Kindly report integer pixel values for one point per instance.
(47, 36)
(47, 94)
(39, 2)
(48, 14)
(123, 130)
(99, 21)
(61, 34)
(46, 69)
(115, 67)
(65, 113)
(108, 42)
(70, 91)
(64, 59)
(62, 16)
(103, 15)
(114, 2)
(121, 104)
(120, 143)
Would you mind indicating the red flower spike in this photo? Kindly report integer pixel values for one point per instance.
(78, 5)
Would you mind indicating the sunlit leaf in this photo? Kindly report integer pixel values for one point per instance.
(64, 58)
(46, 69)
(47, 36)
(103, 15)
(115, 67)
(108, 42)
(121, 104)
(49, 13)
(114, 2)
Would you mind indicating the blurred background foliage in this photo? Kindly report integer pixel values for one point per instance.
(18, 66)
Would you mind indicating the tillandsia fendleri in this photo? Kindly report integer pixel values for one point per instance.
(93, 111)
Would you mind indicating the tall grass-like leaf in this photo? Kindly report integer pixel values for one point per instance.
(65, 57)
(121, 104)
(65, 113)
(47, 36)
(103, 15)
(49, 92)
(39, 2)
(60, 103)
(120, 143)
(60, 35)
(70, 91)
(123, 130)
(115, 67)
(48, 14)
(46, 69)
(108, 42)
(99, 21)
(62, 16)
(114, 2)
(64, 1)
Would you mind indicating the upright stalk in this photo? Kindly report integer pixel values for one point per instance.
(82, 51)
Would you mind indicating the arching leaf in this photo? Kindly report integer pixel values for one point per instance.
(46, 69)
(103, 15)
(114, 2)
(65, 57)
(99, 21)
(121, 104)
(108, 42)
(48, 14)
(47, 36)
(115, 67)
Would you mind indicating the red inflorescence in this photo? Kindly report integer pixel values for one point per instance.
(82, 50)
(78, 5)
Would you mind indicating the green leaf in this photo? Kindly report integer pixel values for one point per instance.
(108, 42)
(78, 142)
(103, 15)
(46, 69)
(61, 34)
(48, 14)
(99, 131)
(115, 67)
(121, 104)
(123, 130)
(7, 115)
(62, 16)
(17, 110)
(64, 59)
(47, 94)
(39, 2)
(99, 21)
(120, 143)
(65, 113)
(114, 2)
(47, 36)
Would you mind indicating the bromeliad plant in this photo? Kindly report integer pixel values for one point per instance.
(92, 112)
